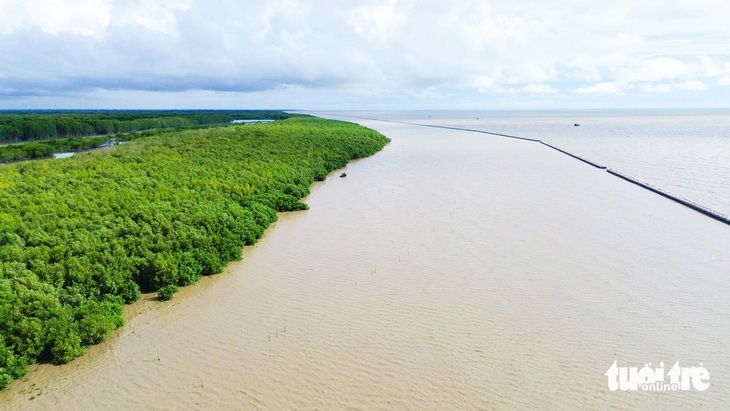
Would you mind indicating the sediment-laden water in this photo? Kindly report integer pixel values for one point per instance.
(450, 271)
(683, 151)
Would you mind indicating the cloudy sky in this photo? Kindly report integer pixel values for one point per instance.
(364, 54)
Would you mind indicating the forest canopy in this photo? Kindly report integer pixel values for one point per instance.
(79, 237)
(18, 126)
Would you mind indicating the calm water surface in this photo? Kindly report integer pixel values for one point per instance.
(686, 152)
(450, 271)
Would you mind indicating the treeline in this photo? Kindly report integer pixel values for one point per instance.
(42, 125)
(81, 237)
(43, 149)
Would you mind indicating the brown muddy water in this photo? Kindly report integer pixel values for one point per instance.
(449, 271)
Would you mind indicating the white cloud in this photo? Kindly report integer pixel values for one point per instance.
(692, 85)
(82, 17)
(153, 15)
(539, 89)
(482, 83)
(407, 48)
(656, 69)
(376, 20)
(600, 88)
(657, 88)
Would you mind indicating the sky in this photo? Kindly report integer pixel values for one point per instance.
(364, 54)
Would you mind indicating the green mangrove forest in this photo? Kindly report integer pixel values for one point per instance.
(18, 126)
(82, 236)
(34, 135)
(42, 149)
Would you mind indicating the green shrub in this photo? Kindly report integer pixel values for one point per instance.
(167, 292)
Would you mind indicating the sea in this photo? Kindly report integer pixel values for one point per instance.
(685, 152)
(454, 270)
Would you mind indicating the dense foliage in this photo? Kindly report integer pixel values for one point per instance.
(166, 292)
(42, 149)
(79, 237)
(26, 126)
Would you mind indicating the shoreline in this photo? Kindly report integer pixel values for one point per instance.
(461, 258)
(147, 308)
(165, 243)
